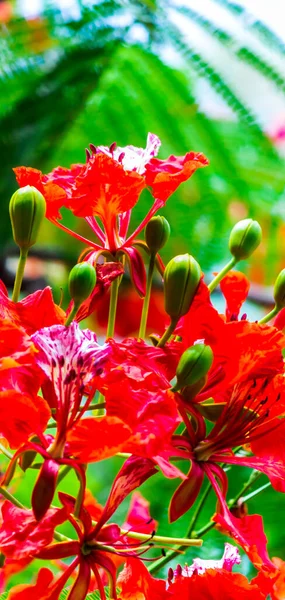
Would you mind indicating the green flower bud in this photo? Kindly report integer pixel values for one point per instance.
(27, 210)
(81, 282)
(193, 365)
(244, 238)
(181, 279)
(279, 290)
(157, 233)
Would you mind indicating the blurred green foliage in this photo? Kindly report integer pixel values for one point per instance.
(103, 76)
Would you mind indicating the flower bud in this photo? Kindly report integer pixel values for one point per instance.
(279, 290)
(81, 282)
(27, 210)
(193, 365)
(181, 279)
(244, 238)
(157, 233)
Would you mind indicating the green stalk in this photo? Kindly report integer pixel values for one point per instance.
(198, 510)
(269, 316)
(113, 307)
(147, 297)
(210, 525)
(20, 274)
(222, 274)
(6, 452)
(167, 333)
(72, 315)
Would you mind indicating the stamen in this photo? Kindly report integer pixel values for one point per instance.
(88, 154)
(113, 147)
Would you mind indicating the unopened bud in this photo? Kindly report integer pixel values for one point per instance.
(27, 210)
(244, 238)
(81, 282)
(157, 233)
(181, 279)
(193, 365)
(279, 290)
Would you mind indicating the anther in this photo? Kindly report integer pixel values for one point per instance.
(88, 154)
(113, 147)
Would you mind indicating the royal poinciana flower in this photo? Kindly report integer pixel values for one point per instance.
(244, 419)
(98, 545)
(135, 384)
(39, 310)
(107, 188)
(242, 350)
(209, 579)
(70, 359)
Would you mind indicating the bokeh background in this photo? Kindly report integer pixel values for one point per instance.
(205, 76)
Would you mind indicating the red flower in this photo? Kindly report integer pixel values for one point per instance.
(33, 312)
(70, 359)
(108, 187)
(242, 350)
(97, 543)
(136, 389)
(207, 579)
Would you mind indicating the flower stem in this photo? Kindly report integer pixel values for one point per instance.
(255, 492)
(210, 525)
(269, 316)
(199, 509)
(98, 406)
(6, 452)
(222, 274)
(113, 307)
(71, 315)
(167, 333)
(147, 297)
(11, 498)
(19, 274)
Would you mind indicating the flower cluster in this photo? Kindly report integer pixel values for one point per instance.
(205, 397)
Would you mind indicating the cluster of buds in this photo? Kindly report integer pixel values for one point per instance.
(207, 390)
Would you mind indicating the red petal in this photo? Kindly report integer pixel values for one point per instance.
(44, 488)
(187, 492)
(21, 536)
(235, 288)
(95, 439)
(164, 176)
(22, 416)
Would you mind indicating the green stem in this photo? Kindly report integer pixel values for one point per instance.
(269, 316)
(98, 406)
(6, 452)
(72, 315)
(199, 507)
(222, 274)
(19, 274)
(167, 333)
(255, 492)
(113, 307)
(147, 297)
(252, 479)
(210, 525)
(62, 474)
(80, 496)
(11, 498)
